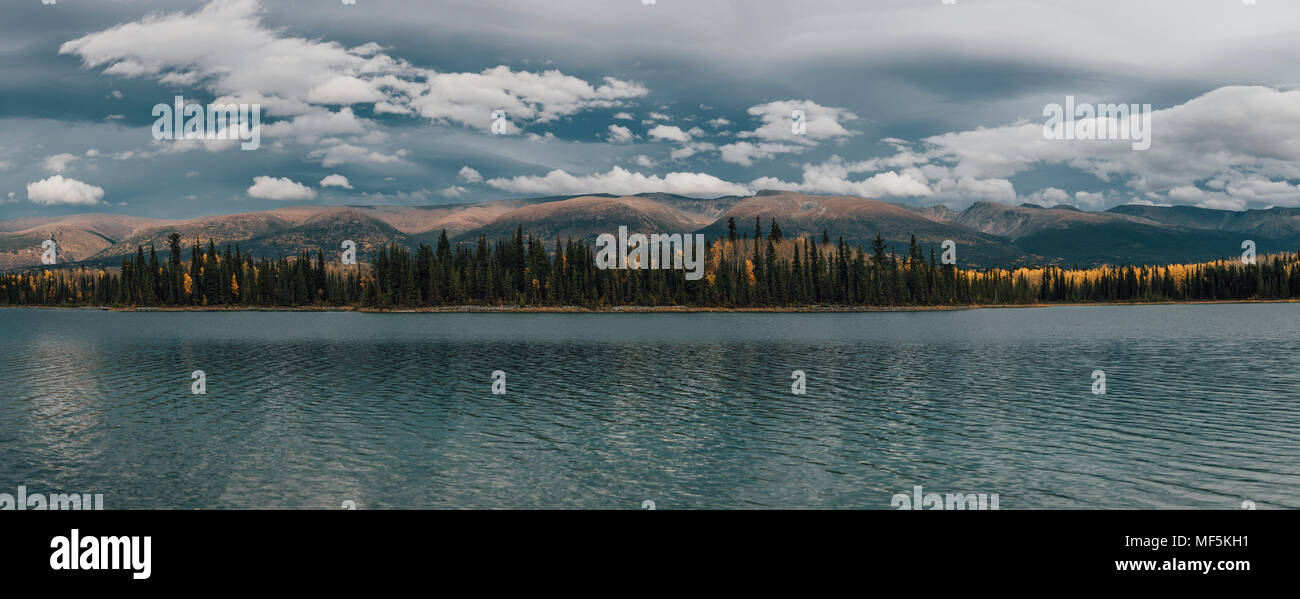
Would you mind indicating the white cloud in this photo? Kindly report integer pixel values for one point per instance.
(470, 98)
(834, 176)
(282, 188)
(1238, 141)
(1145, 202)
(745, 153)
(644, 161)
(829, 177)
(57, 191)
(367, 49)
(419, 196)
(1260, 190)
(350, 154)
(344, 89)
(58, 163)
(318, 123)
(624, 116)
(690, 149)
(882, 185)
(822, 122)
(619, 181)
(1089, 200)
(336, 180)
(669, 133)
(469, 175)
(776, 134)
(454, 191)
(1049, 196)
(291, 76)
(620, 135)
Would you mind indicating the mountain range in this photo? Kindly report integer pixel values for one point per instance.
(987, 234)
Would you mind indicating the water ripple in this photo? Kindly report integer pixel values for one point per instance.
(690, 410)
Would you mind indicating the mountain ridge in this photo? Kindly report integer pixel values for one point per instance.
(987, 233)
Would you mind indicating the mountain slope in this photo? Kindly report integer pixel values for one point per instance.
(858, 220)
(79, 236)
(1281, 225)
(987, 234)
(1069, 236)
(585, 217)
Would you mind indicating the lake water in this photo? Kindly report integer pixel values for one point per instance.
(308, 410)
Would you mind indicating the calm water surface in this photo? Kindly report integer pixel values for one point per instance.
(307, 410)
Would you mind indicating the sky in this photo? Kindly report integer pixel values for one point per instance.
(390, 102)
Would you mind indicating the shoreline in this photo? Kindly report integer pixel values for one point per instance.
(471, 309)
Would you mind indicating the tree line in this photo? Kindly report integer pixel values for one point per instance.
(766, 269)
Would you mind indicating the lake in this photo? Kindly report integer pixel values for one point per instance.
(310, 410)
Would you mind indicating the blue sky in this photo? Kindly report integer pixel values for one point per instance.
(390, 102)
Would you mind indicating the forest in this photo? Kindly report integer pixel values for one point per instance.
(765, 270)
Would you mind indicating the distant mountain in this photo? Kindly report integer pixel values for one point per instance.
(1015, 222)
(937, 212)
(79, 236)
(986, 233)
(1066, 235)
(1190, 217)
(858, 221)
(1281, 225)
(585, 217)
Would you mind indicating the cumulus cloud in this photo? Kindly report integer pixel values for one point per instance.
(669, 132)
(454, 191)
(619, 181)
(688, 145)
(822, 122)
(58, 163)
(317, 123)
(350, 154)
(691, 148)
(745, 153)
(58, 191)
(344, 89)
(1049, 196)
(470, 98)
(292, 76)
(834, 176)
(335, 180)
(1089, 200)
(469, 175)
(1228, 148)
(776, 135)
(620, 135)
(282, 188)
(1145, 202)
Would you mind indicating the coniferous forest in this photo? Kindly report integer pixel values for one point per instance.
(765, 270)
